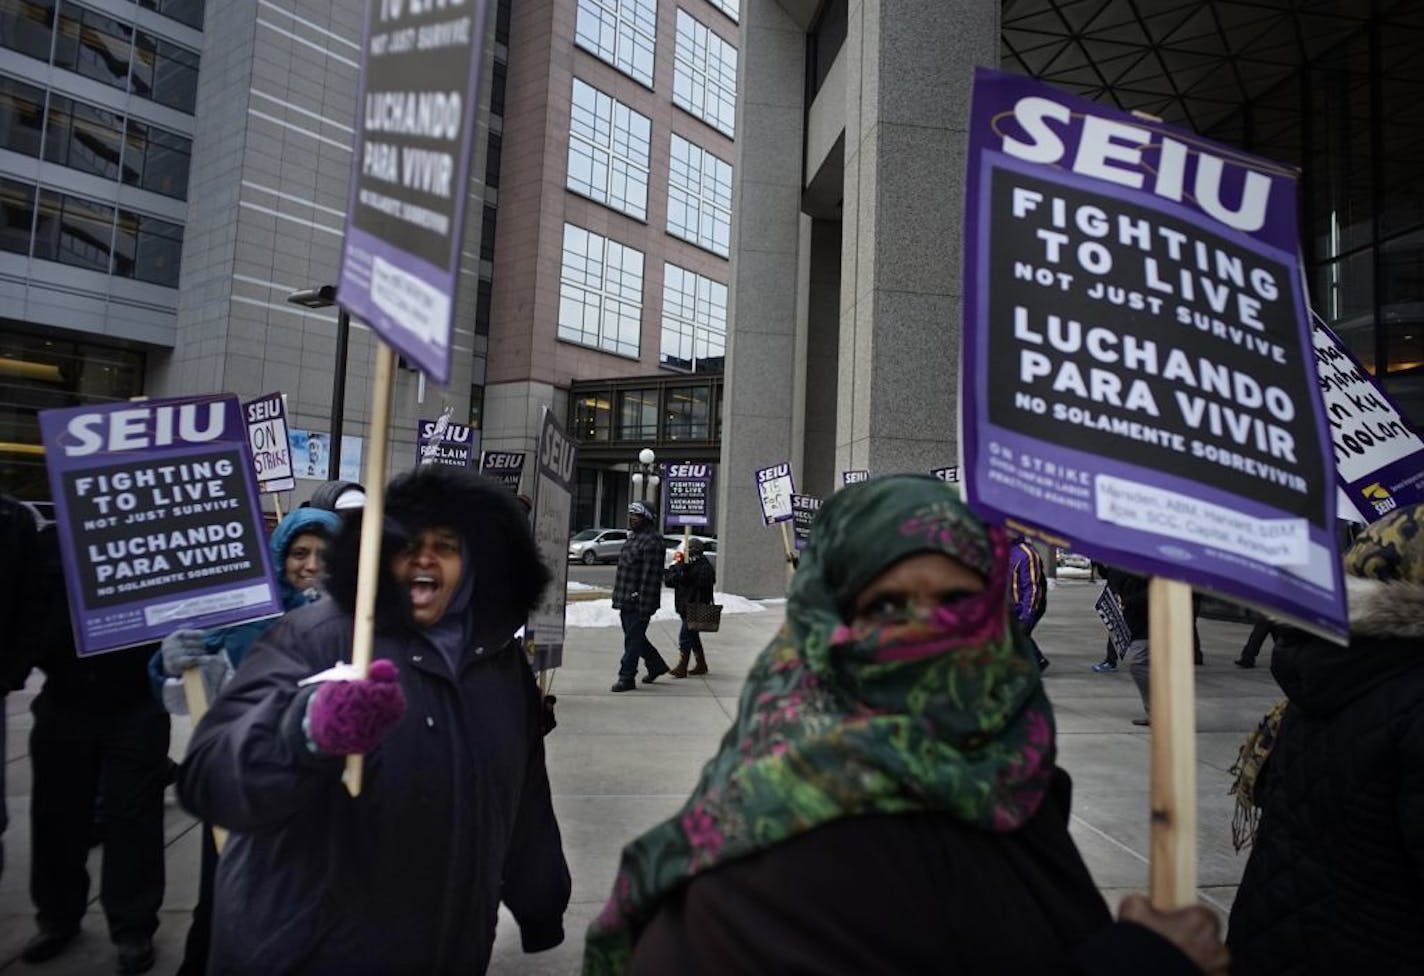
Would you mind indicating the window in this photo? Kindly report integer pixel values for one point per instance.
(93, 45)
(27, 26)
(499, 78)
(686, 415)
(494, 153)
(74, 231)
(705, 74)
(699, 197)
(166, 73)
(188, 12)
(157, 160)
(17, 212)
(638, 415)
(21, 116)
(608, 151)
(488, 225)
(484, 300)
(148, 249)
(501, 22)
(621, 32)
(728, 7)
(593, 418)
(694, 321)
(601, 293)
(83, 137)
(477, 406)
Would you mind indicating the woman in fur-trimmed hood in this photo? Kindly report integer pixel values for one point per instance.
(455, 814)
(1335, 882)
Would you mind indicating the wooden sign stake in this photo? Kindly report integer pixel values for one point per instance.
(790, 549)
(1173, 868)
(197, 697)
(372, 521)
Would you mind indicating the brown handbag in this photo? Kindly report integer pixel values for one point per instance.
(704, 617)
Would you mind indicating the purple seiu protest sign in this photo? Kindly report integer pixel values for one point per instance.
(687, 495)
(1379, 457)
(416, 113)
(949, 475)
(1137, 374)
(445, 442)
(158, 518)
(555, 470)
(804, 509)
(506, 467)
(775, 486)
(267, 438)
(854, 477)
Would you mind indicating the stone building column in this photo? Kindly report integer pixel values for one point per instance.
(909, 79)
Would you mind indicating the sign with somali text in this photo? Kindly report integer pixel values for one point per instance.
(854, 477)
(417, 108)
(804, 509)
(1135, 294)
(775, 487)
(267, 437)
(556, 465)
(687, 495)
(159, 519)
(443, 442)
(949, 476)
(506, 467)
(1378, 456)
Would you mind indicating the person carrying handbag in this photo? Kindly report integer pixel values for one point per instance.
(691, 580)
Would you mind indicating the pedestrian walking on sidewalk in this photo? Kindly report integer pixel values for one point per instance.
(887, 799)
(637, 594)
(1131, 592)
(1335, 882)
(454, 814)
(99, 744)
(692, 580)
(1028, 591)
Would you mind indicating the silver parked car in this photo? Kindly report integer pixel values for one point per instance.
(597, 545)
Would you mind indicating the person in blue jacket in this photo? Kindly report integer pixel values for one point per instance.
(298, 547)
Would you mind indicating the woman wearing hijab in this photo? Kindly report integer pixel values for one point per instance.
(454, 815)
(886, 799)
(1335, 883)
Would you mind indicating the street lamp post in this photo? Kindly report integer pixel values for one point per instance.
(325, 297)
(645, 478)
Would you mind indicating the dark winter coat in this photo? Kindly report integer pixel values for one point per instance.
(1335, 883)
(455, 812)
(1131, 591)
(904, 893)
(111, 681)
(20, 591)
(691, 582)
(637, 586)
(1027, 588)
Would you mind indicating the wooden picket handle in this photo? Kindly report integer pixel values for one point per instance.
(372, 521)
(197, 697)
(790, 549)
(1173, 869)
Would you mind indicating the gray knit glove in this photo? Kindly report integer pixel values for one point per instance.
(183, 649)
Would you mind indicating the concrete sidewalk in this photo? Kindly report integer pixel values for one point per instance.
(621, 763)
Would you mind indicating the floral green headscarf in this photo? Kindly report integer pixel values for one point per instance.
(940, 712)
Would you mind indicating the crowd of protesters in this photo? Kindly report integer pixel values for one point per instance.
(887, 798)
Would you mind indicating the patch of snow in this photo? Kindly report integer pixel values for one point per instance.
(575, 586)
(600, 613)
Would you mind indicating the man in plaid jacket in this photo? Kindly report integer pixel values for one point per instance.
(637, 594)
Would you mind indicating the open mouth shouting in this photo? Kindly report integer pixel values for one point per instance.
(429, 568)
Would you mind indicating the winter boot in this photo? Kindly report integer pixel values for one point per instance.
(680, 669)
(701, 667)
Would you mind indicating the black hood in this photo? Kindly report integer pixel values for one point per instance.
(507, 575)
(1386, 641)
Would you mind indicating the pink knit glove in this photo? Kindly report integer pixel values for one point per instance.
(347, 718)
